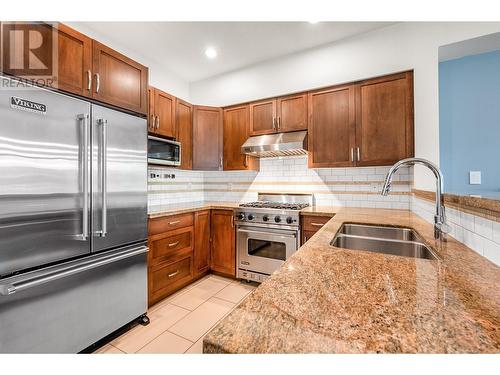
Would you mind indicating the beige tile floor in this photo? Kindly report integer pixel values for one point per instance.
(179, 322)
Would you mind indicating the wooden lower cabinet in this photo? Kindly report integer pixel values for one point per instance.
(201, 242)
(310, 224)
(223, 255)
(185, 247)
(171, 255)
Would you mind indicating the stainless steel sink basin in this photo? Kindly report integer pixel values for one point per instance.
(387, 240)
(391, 233)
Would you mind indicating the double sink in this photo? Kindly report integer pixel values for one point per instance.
(382, 239)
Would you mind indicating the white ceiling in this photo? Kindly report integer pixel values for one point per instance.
(180, 46)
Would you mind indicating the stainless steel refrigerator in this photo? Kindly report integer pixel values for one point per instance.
(73, 220)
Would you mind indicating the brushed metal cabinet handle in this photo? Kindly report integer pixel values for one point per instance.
(317, 224)
(89, 80)
(352, 154)
(152, 123)
(245, 161)
(173, 274)
(174, 222)
(97, 82)
(274, 123)
(279, 122)
(173, 244)
(358, 154)
(158, 121)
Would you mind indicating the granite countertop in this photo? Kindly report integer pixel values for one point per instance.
(181, 208)
(332, 300)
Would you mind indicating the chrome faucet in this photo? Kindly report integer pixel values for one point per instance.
(440, 226)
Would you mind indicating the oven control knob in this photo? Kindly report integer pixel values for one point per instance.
(241, 216)
(277, 219)
(251, 217)
(289, 220)
(265, 218)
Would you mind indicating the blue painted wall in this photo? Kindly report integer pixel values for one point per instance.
(469, 116)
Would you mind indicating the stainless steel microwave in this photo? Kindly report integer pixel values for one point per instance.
(163, 151)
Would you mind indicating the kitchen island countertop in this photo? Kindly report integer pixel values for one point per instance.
(331, 300)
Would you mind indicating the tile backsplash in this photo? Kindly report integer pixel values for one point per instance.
(351, 187)
(480, 234)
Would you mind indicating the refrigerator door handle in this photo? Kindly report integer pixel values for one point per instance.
(104, 176)
(30, 281)
(84, 118)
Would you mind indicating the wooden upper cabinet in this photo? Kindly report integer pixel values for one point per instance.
(119, 81)
(331, 129)
(74, 72)
(184, 126)
(285, 114)
(207, 138)
(74, 56)
(201, 242)
(263, 117)
(164, 108)
(223, 256)
(291, 113)
(384, 120)
(236, 126)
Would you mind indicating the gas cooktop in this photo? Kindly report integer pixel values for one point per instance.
(276, 205)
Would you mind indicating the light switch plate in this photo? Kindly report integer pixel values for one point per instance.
(475, 177)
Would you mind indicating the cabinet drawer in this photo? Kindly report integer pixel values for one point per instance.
(171, 244)
(314, 223)
(165, 224)
(170, 275)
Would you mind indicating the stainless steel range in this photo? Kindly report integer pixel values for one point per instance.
(268, 233)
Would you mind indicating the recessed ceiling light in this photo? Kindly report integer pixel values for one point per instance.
(313, 22)
(211, 53)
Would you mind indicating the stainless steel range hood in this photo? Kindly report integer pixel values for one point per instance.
(280, 144)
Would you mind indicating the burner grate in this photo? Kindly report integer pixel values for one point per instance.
(276, 205)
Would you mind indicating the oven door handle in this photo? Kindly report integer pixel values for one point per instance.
(278, 235)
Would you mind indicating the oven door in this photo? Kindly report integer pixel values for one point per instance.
(264, 250)
(163, 151)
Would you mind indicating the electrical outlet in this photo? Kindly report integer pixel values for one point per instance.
(475, 177)
(154, 175)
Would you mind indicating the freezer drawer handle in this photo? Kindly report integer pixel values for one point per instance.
(65, 271)
(84, 118)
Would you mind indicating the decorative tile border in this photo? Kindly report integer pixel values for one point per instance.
(482, 207)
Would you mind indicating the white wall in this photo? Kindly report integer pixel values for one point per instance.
(395, 48)
(159, 75)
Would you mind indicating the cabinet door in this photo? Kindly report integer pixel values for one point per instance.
(292, 113)
(236, 122)
(74, 55)
(223, 258)
(184, 126)
(164, 109)
(384, 119)
(331, 127)
(119, 80)
(207, 138)
(201, 242)
(263, 117)
(75, 61)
